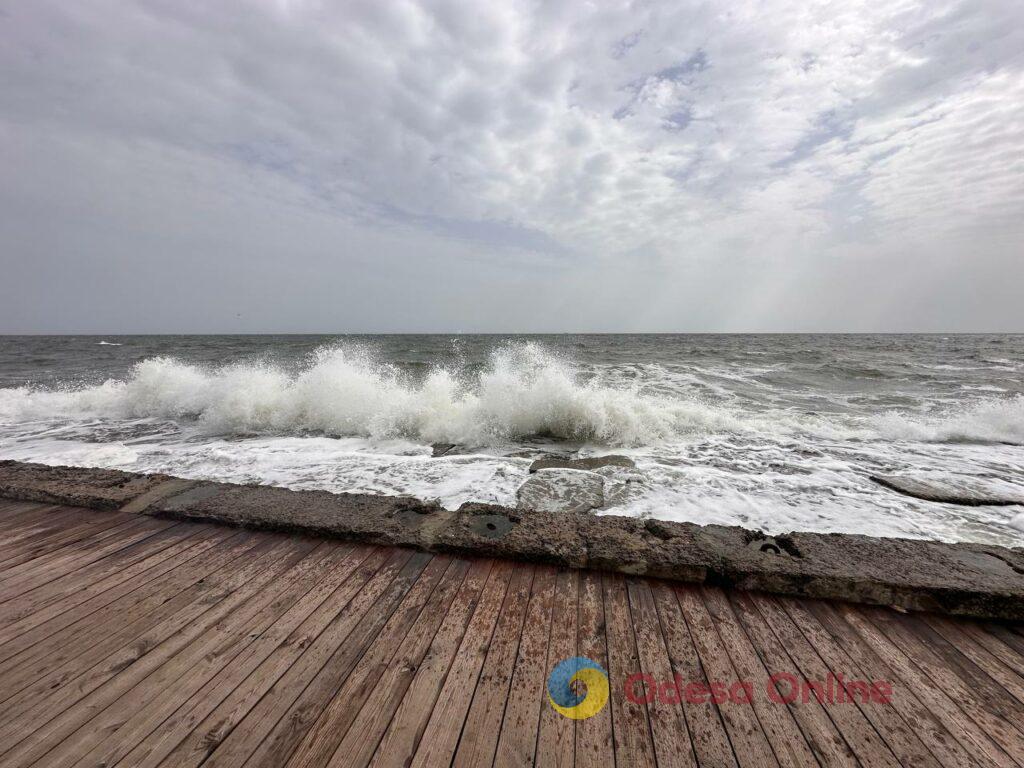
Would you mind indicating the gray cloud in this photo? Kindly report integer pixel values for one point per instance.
(301, 165)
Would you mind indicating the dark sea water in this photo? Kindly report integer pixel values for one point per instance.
(772, 432)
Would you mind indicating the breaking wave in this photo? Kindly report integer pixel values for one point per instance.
(985, 421)
(522, 391)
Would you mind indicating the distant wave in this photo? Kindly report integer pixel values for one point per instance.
(523, 390)
(987, 421)
(108, 344)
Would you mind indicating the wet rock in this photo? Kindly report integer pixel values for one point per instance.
(442, 449)
(78, 486)
(591, 463)
(950, 492)
(561, 490)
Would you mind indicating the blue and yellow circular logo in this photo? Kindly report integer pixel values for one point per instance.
(578, 706)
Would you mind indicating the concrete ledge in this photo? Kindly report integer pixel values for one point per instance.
(961, 579)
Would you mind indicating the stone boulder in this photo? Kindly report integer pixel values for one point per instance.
(561, 490)
(966, 492)
(591, 463)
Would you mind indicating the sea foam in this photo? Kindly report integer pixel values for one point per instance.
(522, 390)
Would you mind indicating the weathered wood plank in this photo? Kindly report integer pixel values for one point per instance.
(408, 724)
(963, 728)
(54, 717)
(750, 745)
(447, 716)
(594, 737)
(479, 738)
(517, 742)
(913, 710)
(556, 738)
(225, 699)
(707, 732)
(254, 715)
(381, 617)
(669, 730)
(134, 642)
(59, 659)
(630, 724)
(782, 731)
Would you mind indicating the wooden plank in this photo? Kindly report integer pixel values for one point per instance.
(958, 634)
(75, 533)
(44, 622)
(367, 729)
(914, 712)
(268, 735)
(963, 728)
(226, 699)
(251, 713)
(110, 543)
(630, 724)
(556, 740)
(37, 536)
(448, 714)
(995, 657)
(479, 739)
(594, 737)
(13, 508)
(60, 659)
(68, 592)
(669, 729)
(851, 721)
(481, 589)
(188, 669)
(707, 732)
(970, 688)
(517, 740)
(312, 581)
(750, 746)
(777, 722)
(73, 541)
(36, 513)
(1006, 634)
(886, 719)
(53, 717)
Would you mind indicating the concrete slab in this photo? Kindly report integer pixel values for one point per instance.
(963, 579)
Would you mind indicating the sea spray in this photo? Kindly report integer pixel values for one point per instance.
(758, 431)
(523, 390)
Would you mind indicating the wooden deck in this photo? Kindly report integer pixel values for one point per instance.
(131, 641)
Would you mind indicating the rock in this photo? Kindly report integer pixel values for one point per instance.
(442, 449)
(591, 463)
(950, 491)
(561, 490)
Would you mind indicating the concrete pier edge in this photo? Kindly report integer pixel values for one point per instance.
(976, 580)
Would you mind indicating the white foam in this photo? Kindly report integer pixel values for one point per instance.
(993, 420)
(522, 391)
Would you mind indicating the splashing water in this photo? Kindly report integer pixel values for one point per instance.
(777, 433)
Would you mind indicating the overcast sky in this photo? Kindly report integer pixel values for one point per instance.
(390, 165)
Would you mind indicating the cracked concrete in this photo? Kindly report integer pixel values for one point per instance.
(962, 579)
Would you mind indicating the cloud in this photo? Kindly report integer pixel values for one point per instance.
(668, 140)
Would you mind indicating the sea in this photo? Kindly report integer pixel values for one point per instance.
(772, 432)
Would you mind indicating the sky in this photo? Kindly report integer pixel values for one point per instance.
(404, 166)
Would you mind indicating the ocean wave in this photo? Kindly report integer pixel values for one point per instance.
(523, 390)
(993, 420)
